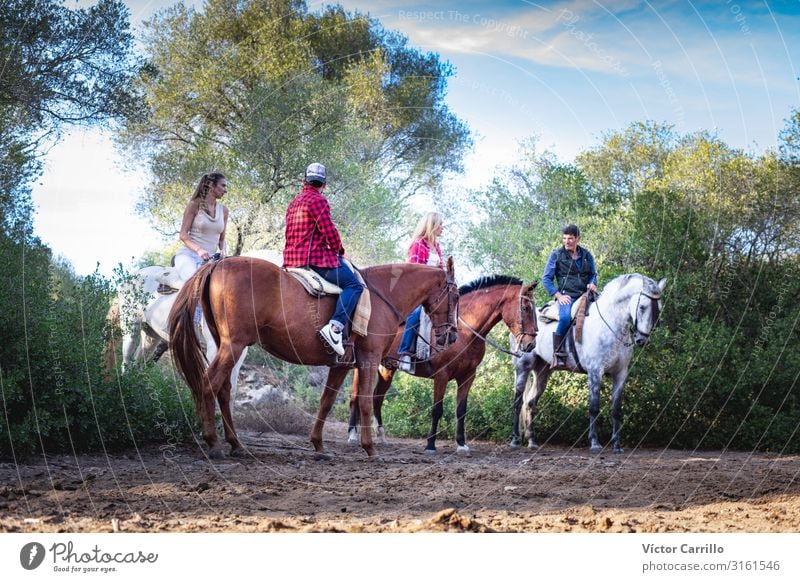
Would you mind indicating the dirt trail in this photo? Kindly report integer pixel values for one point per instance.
(281, 487)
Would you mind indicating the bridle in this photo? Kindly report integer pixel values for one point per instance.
(517, 336)
(634, 327)
(451, 324)
(654, 313)
(524, 297)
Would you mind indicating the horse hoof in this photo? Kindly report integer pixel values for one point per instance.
(352, 437)
(618, 450)
(216, 453)
(238, 452)
(514, 444)
(429, 452)
(323, 456)
(595, 449)
(463, 450)
(532, 445)
(382, 436)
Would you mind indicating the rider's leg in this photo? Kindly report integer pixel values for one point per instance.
(559, 353)
(409, 335)
(187, 263)
(345, 304)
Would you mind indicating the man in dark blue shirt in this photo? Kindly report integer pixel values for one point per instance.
(568, 274)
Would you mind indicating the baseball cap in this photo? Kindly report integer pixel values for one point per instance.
(316, 172)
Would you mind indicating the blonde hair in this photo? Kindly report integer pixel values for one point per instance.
(426, 227)
(204, 186)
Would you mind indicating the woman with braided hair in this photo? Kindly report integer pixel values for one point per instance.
(203, 226)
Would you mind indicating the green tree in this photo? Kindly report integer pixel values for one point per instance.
(258, 89)
(60, 67)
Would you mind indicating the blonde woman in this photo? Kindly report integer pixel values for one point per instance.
(424, 250)
(203, 226)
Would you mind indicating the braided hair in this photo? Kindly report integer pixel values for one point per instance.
(207, 182)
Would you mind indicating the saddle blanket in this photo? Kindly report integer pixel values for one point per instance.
(425, 328)
(549, 312)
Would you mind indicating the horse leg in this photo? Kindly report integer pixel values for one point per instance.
(332, 384)
(522, 369)
(235, 374)
(616, 410)
(541, 374)
(129, 348)
(595, 378)
(439, 385)
(381, 388)
(365, 378)
(230, 356)
(216, 381)
(462, 395)
(352, 426)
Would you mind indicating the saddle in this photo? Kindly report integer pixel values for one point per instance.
(164, 281)
(319, 287)
(580, 309)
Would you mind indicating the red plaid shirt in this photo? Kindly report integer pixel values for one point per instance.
(311, 237)
(420, 252)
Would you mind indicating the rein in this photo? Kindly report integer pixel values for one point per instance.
(380, 295)
(488, 341)
(635, 324)
(449, 285)
(518, 337)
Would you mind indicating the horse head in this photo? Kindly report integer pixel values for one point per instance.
(520, 317)
(442, 307)
(645, 309)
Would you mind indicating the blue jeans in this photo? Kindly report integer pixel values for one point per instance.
(564, 316)
(351, 290)
(410, 332)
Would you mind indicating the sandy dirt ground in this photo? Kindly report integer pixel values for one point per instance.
(281, 487)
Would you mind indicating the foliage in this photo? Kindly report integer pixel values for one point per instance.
(60, 67)
(55, 395)
(720, 224)
(259, 89)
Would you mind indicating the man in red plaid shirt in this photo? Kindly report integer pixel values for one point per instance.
(313, 242)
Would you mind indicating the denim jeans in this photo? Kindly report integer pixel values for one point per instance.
(564, 316)
(410, 332)
(351, 290)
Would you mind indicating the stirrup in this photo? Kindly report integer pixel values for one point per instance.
(333, 337)
(404, 363)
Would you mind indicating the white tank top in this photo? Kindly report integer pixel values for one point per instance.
(205, 230)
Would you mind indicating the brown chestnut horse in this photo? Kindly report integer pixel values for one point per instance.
(482, 304)
(247, 301)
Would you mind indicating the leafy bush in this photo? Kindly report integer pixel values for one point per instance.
(56, 395)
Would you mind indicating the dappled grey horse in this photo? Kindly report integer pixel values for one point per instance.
(624, 315)
(141, 313)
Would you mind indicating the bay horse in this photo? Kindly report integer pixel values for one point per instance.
(482, 304)
(247, 301)
(624, 315)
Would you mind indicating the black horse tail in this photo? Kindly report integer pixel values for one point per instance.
(186, 350)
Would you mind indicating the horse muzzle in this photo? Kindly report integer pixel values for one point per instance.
(528, 346)
(641, 339)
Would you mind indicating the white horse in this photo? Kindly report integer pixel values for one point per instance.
(624, 314)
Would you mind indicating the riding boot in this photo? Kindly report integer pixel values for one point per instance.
(559, 355)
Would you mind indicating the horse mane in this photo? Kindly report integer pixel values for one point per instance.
(488, 281)
(618, 283)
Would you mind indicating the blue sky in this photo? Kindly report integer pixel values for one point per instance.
(562, 71)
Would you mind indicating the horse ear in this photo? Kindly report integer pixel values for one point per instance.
(450, 268)
(662, 283)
